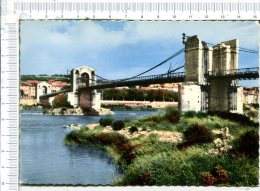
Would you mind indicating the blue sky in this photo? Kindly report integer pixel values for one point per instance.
(120, 49)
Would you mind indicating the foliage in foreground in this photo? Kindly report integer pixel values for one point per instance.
(248, 144)
(196, 134)
(186, 168)
(118, 125)
(149, 161)
(173, 115)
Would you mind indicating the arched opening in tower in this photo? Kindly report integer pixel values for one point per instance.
(85, 79)
(44, 90)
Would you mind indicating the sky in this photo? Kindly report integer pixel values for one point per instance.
(121, 49)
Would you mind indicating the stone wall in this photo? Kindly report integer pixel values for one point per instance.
(190, 97)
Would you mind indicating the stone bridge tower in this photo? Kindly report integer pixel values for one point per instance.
(198, 93)
(83, 77)
(42, 88)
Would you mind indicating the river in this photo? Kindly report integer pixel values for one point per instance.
(44, 159)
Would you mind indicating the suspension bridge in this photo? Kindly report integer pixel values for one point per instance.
(206, 64)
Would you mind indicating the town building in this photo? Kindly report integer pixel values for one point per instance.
(250, 95)
(166, 86)
(32, 89)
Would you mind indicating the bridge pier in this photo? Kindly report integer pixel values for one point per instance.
(199, 93)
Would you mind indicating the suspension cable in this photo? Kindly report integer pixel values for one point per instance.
(240, 48)
(161, 63)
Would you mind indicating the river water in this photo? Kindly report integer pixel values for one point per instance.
(44, 159)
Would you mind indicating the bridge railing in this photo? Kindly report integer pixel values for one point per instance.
(233, 72)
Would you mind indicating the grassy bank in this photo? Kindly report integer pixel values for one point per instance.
(208, 153)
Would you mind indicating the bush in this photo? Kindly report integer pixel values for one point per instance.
(196, 134)
(63, 109)
(61, 100)
(217, 176)
(248, 144)
(190, 114)
(118, 125)
(111, 138)
(127, 152)
(133, 129)
(106, 121)
(220, 174)
(208, 179)
(172, 114)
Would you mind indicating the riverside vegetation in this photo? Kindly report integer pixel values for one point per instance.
(212, 149)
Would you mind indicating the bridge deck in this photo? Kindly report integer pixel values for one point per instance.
(144, 80)
(243, 73)
(55, 93)
(240, 74)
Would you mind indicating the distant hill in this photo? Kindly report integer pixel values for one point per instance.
(44, 77)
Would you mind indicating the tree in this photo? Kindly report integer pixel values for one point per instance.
(61, 100)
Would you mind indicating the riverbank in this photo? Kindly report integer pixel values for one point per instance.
(204, 146)
(142, 105)
(77, 111)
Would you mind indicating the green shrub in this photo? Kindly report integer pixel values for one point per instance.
(61, 100)
(157, 118)
(196, 134)
(63, 109)
(190, 114)
(118, 125)
(201, 114)
(106, 121)
(173, 115)
(248, 143)
(133, 129)
(44, 112)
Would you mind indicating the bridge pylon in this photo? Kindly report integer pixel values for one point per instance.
(200, 93)
(86, 99)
